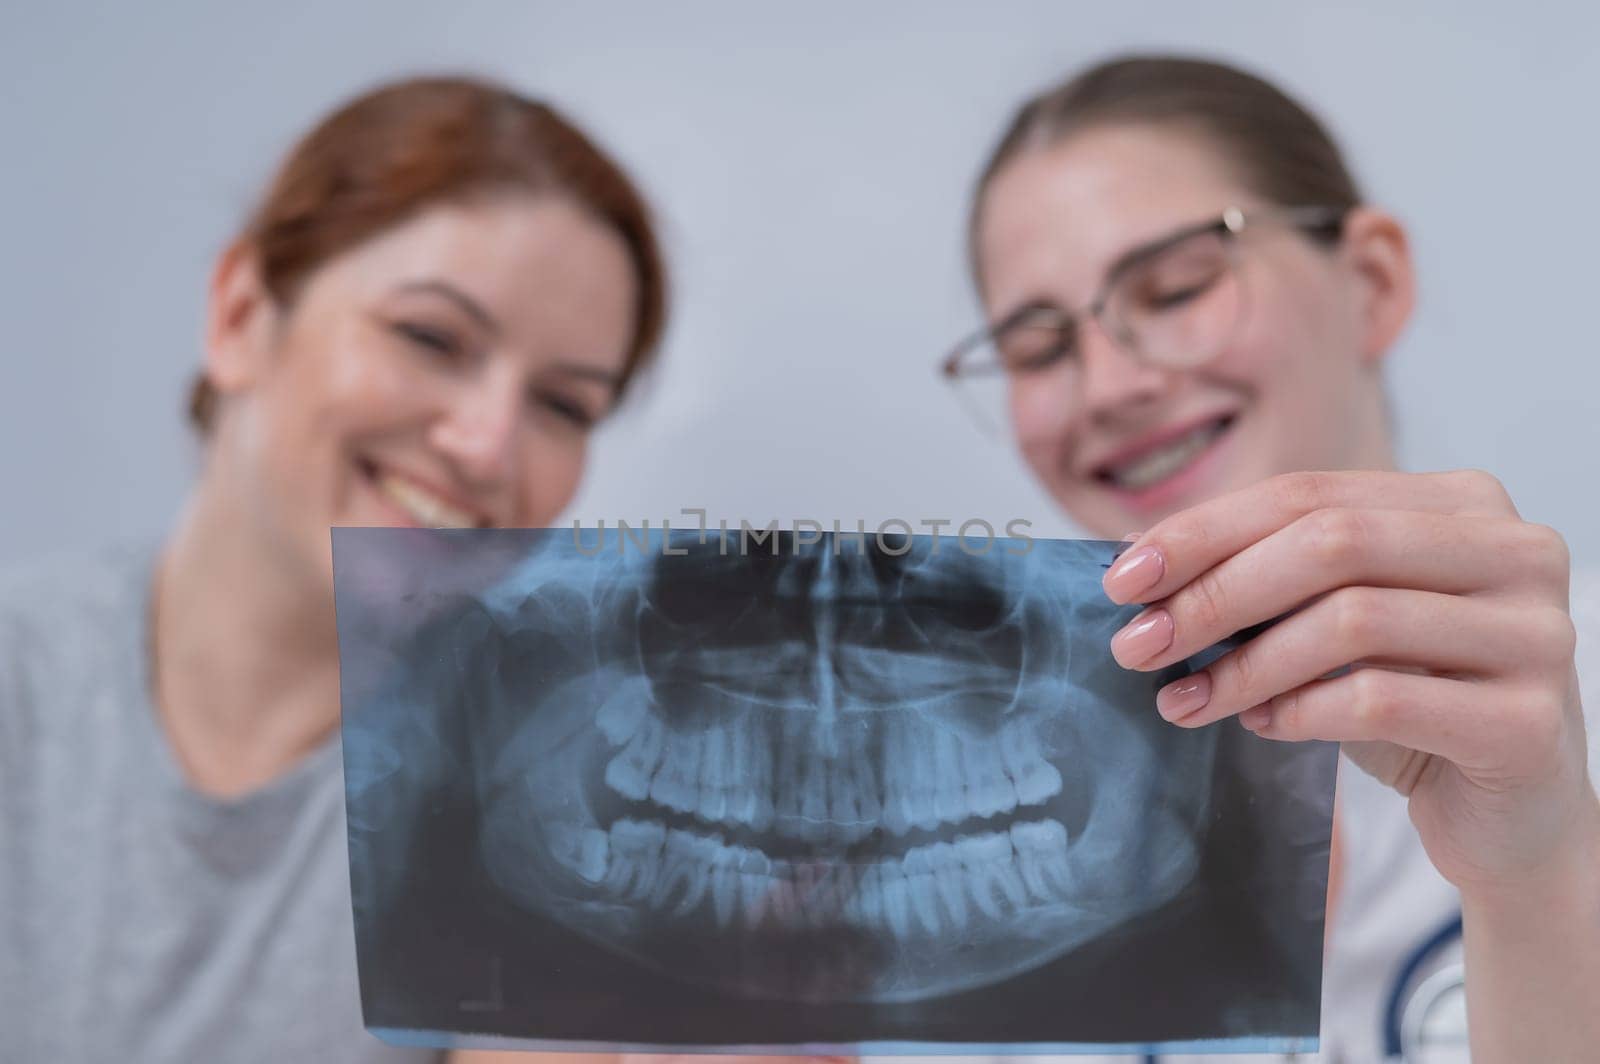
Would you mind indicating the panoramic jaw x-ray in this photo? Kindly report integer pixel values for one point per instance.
(833, 773)
(852, 775)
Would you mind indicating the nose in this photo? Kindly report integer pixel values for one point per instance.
(1110, 378)
(479, 431)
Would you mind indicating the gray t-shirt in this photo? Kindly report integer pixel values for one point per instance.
(141, 920)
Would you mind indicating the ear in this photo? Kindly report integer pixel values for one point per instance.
(241, 318)
(1376, 247)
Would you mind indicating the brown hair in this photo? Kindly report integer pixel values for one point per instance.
(1278, 146)
(405, 145)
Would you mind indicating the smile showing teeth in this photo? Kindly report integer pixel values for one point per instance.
(1158, 465)
(426, 508)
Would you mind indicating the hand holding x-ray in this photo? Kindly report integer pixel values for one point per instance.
(1451, 610)
(1431, 636)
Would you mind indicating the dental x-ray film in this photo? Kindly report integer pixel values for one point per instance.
(684, 791)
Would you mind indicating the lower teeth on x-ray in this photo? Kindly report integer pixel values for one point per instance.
(821, 772)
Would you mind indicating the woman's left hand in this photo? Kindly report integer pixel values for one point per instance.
(1452, 612)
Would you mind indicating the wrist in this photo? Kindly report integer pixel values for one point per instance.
(1568, 882)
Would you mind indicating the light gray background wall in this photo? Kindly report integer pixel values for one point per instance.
(811, 163)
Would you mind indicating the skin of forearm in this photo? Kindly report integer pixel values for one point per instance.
(1533, 962)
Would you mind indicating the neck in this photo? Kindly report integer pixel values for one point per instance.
(246, 667)
(1372, 432)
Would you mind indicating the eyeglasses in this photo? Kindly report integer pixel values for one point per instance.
(1173, 303)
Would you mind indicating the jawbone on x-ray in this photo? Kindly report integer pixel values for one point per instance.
(830, 773)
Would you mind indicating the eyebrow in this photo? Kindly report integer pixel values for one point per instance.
(584, 372)
(1160, 243)
(481, 315)
(1130, 257)
(471, 307)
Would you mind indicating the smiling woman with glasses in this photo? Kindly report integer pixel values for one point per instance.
(1188, 305)
(1172, 302)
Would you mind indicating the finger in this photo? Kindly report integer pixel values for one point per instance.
(1329, 549)
(1373, 626)
(1186, 544)
(1487, 729)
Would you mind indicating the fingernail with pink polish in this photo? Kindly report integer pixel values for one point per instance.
(1134, 573)
(1142, 639)
(1184, 697)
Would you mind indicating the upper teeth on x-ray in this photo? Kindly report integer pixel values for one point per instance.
(841, 772)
